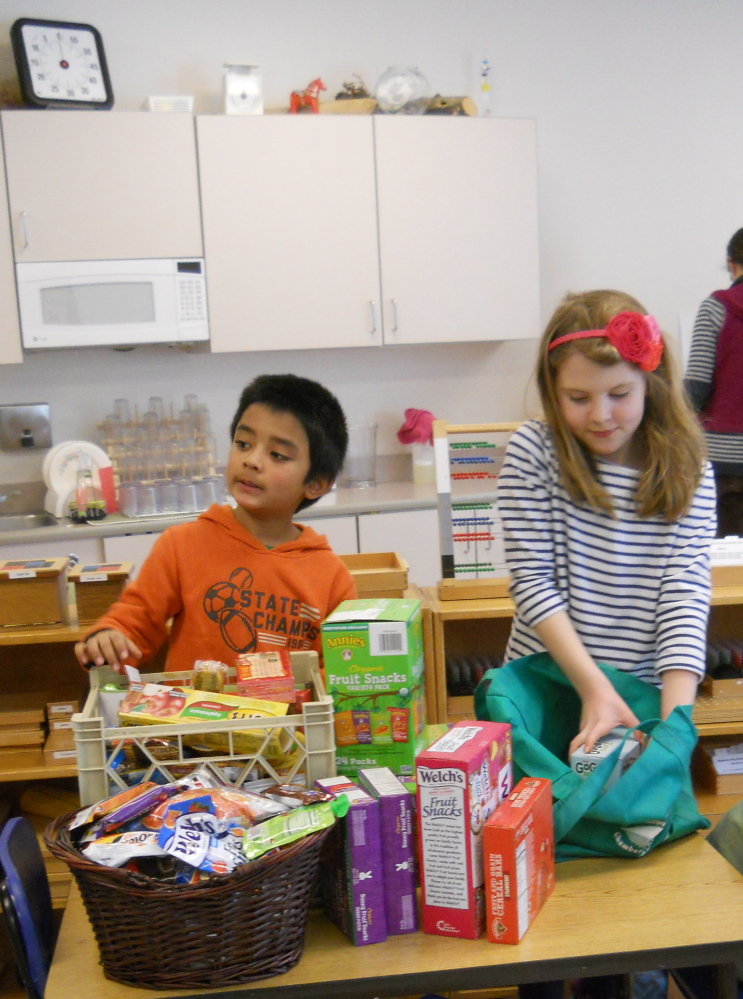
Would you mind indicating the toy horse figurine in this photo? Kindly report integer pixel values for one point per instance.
(307, 98)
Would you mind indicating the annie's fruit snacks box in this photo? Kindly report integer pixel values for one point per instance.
(461, 779)
(398, 850)
(373, 656)
(519, 851)
(351, 871)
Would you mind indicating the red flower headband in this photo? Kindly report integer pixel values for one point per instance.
(637, 339)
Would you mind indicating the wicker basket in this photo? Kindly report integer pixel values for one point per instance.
(233, 928)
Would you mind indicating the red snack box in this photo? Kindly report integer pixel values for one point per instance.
(519, 846)
(461, 778)
(266, 675)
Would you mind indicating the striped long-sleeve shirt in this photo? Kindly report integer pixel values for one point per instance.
(636, 589)
(725, 450)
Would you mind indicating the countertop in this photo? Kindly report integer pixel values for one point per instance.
(383, 498)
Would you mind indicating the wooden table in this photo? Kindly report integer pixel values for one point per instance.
(680, 906)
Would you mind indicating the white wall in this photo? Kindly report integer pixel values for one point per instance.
(640, 159)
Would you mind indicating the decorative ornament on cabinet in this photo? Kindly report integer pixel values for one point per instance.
(243, 89)
(61, 64)
(308, 99)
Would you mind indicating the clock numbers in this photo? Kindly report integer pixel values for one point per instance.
(65, 61)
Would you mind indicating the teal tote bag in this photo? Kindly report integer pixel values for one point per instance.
(651, 803)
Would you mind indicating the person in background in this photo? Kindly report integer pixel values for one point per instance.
(608, 510)
(247, 579)
(714, 382)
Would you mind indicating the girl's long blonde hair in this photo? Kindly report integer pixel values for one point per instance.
(672, 445)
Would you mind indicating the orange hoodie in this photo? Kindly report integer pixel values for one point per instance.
(227, 593)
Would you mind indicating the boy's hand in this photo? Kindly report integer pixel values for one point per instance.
(109, 647)
(603, 710)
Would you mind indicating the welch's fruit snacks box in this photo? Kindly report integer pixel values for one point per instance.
(398, 847)
(351, 869)
(462, 778)
(373, 659)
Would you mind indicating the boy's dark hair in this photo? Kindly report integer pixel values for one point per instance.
(317, 410)
(735, 248)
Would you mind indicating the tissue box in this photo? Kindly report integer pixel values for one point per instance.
(462, 778)
(351, 870)
(374, 671)
(519, 852)
(398, 849)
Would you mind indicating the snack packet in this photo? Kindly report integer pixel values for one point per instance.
(293, 825)
(205, 829)
(93, 813)
(119, 848)
(208, 674)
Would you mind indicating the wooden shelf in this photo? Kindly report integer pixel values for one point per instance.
(41, 634)
(28, 764)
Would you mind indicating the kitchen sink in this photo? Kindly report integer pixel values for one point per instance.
(26, 521)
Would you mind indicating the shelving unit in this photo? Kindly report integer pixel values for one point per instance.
(475, 627)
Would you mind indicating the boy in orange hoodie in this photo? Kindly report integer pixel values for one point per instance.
(246, 579)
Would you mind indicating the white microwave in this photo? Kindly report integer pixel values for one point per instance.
(93, 303)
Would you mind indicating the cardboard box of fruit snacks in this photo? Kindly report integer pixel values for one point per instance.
(373, 656)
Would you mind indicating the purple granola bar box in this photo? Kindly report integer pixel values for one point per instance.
(351, 872)
(398, 837)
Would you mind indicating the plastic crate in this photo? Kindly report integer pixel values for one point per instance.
(97, 745)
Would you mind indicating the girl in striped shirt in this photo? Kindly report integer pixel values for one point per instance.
(608, 508)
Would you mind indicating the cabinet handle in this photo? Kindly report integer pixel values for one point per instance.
(394, 314)
(373, 308)
(24, 229)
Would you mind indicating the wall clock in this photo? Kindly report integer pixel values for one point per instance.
(61, 64)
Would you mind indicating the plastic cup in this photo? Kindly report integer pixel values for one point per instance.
(146, 499)
(361, 459)
(205, 496)
(127, 499)
(167, 496)
(186, 496)
(424, 465)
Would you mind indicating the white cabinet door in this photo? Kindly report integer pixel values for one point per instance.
(114, 185)
(457, 228)
(129, 548)
(340, 532)
(10, 330)
(413, 534)
(290, 231)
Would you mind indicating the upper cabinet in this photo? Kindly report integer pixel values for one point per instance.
(457, 228)
(290, 231)
(10, 331)
(356, 231)
(119, 185)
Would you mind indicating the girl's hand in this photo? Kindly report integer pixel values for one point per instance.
(603, 710)
(110, 647)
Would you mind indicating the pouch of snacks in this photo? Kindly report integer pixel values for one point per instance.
(92, 813)
(295, 795)
(205, 828)
(285, 829)
(208, 674)
(119, 848)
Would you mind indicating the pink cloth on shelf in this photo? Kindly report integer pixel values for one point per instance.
(417, 428)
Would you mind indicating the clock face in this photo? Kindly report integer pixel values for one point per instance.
(61, 64)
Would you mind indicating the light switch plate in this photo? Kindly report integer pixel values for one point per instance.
(25, 425)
